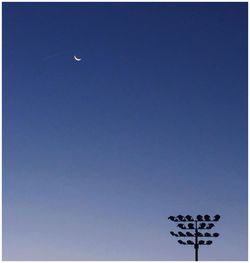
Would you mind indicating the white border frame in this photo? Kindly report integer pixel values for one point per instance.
(184, 1)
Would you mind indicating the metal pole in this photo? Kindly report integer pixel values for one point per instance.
(196, 245)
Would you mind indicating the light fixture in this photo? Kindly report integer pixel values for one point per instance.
(196, 230)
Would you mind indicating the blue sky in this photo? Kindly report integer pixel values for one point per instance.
(152, 122)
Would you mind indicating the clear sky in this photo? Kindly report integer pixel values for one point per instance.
(152, 122)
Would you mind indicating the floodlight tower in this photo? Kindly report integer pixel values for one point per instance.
(191, 224)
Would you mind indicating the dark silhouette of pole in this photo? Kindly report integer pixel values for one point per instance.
(195, 231)
(196, 244)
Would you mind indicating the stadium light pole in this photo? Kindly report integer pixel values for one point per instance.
(196, 245)
(191, 224)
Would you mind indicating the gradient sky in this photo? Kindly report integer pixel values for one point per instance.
(151, 123)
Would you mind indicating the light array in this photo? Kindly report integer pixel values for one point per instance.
(196, 230)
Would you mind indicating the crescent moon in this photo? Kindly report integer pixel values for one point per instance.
(77, 59)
